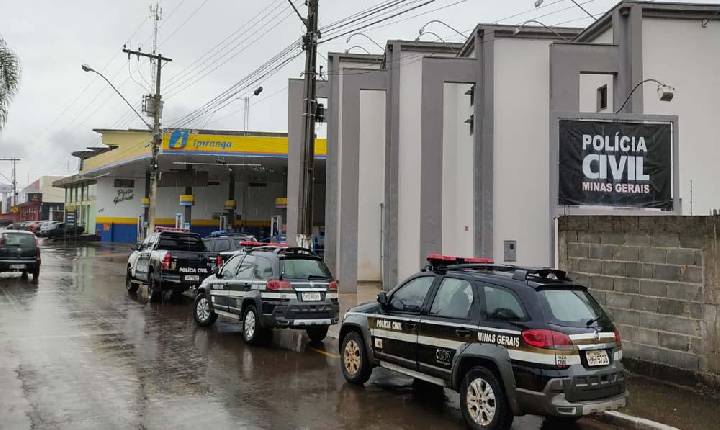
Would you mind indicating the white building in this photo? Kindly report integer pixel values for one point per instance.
(448, 148)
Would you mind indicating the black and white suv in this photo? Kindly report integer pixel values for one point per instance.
(511, 340)
(265, 288)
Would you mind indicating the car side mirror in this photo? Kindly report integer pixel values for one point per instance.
(382, 298)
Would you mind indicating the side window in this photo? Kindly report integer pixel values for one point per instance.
(501, 304)
(263, 268)
(222, 245)
(247, 268)
(411, 296)
(229, 268)
(454, 299)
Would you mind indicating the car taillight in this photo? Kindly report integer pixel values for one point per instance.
(218, 261)
(618, 340)
(166, 261)
(276, 284)
(546, 339)
(333, 286)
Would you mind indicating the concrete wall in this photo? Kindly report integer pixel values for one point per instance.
(371, 193)
(659, 278)
(457, 191)
(521, 153)
(589, 84)
(685, 55)
(409, 164)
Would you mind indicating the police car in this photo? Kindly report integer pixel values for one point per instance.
(511, 340)
(271, 287)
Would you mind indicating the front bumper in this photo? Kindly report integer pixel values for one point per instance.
(297, 314)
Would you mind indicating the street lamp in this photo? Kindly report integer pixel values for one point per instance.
(417, 39)
(347, 51)
(665, 92)
(246, 108)
(534, 21)
(422, 29)
(89, 69)
(540, 2)
(365, 36)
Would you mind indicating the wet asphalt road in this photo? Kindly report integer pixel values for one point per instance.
(77, 353)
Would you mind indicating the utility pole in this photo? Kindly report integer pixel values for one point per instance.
(305, 206)
(13, 198)
(156, 15)
(153, 105)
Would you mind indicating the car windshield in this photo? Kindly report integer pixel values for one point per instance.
(572, 307)
(25, 241)
(304, 269)
(181, 243)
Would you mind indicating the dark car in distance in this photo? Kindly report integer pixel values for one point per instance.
(19, 252)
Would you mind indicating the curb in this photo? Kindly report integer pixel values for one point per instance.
(631, 422)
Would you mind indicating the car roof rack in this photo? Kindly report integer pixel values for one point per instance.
(171, 230)
(440, 262)
(296, 251)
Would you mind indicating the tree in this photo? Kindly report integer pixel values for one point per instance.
(9, 79)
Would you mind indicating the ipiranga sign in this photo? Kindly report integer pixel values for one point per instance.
(615, 163)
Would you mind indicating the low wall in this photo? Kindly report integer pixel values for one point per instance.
(659, 278)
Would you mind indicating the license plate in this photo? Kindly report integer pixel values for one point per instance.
(311, 297)
(192, 277)
(597, 358)
(17, 266)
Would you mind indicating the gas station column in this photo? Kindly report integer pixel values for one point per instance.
(187, 199)
(230, 203)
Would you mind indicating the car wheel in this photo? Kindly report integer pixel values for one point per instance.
(24, 275)
(204, 316)
(355, 364)
(317, 333)
(154, 290)
(36, 274)
(483, 402)
(252, 332)
(129, 284)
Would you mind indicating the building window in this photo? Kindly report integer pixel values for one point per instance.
(602, 98)
(124, 183)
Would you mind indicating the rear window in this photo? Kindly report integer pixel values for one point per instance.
(25, 241)
(181, 243)
(572, 307)
(304, 269)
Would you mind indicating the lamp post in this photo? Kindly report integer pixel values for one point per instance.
(366, 37)
(246, 108)
(534, 21)
(89, 69)
(422, 29)
(538, 3)
(665, 92)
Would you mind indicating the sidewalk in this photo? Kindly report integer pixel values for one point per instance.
(683, 407)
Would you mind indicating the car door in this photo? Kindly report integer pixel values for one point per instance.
(221, 286)
(143, 261)
(501, 310)
(450, 323)
(239, 286)
(394, 331)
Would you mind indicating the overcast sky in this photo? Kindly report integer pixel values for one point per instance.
(58, 105)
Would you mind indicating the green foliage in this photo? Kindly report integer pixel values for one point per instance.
(9, 79)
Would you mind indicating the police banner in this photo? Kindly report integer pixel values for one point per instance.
(615, 163)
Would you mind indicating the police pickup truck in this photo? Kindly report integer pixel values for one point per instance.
(510, 340)
(169, 261)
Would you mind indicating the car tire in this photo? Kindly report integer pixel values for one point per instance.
(203, 314)
(131, 286)
(317, 333)
(483, 401)
(154, 290)
(24, 275)
(36, 274)
(355, 363)
(252, 332)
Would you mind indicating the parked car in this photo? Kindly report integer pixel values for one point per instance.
(227, 245)
(271, 288)
(19, 252)
(169, 261)
(45, 227)
(511, 340)
(62, 229)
